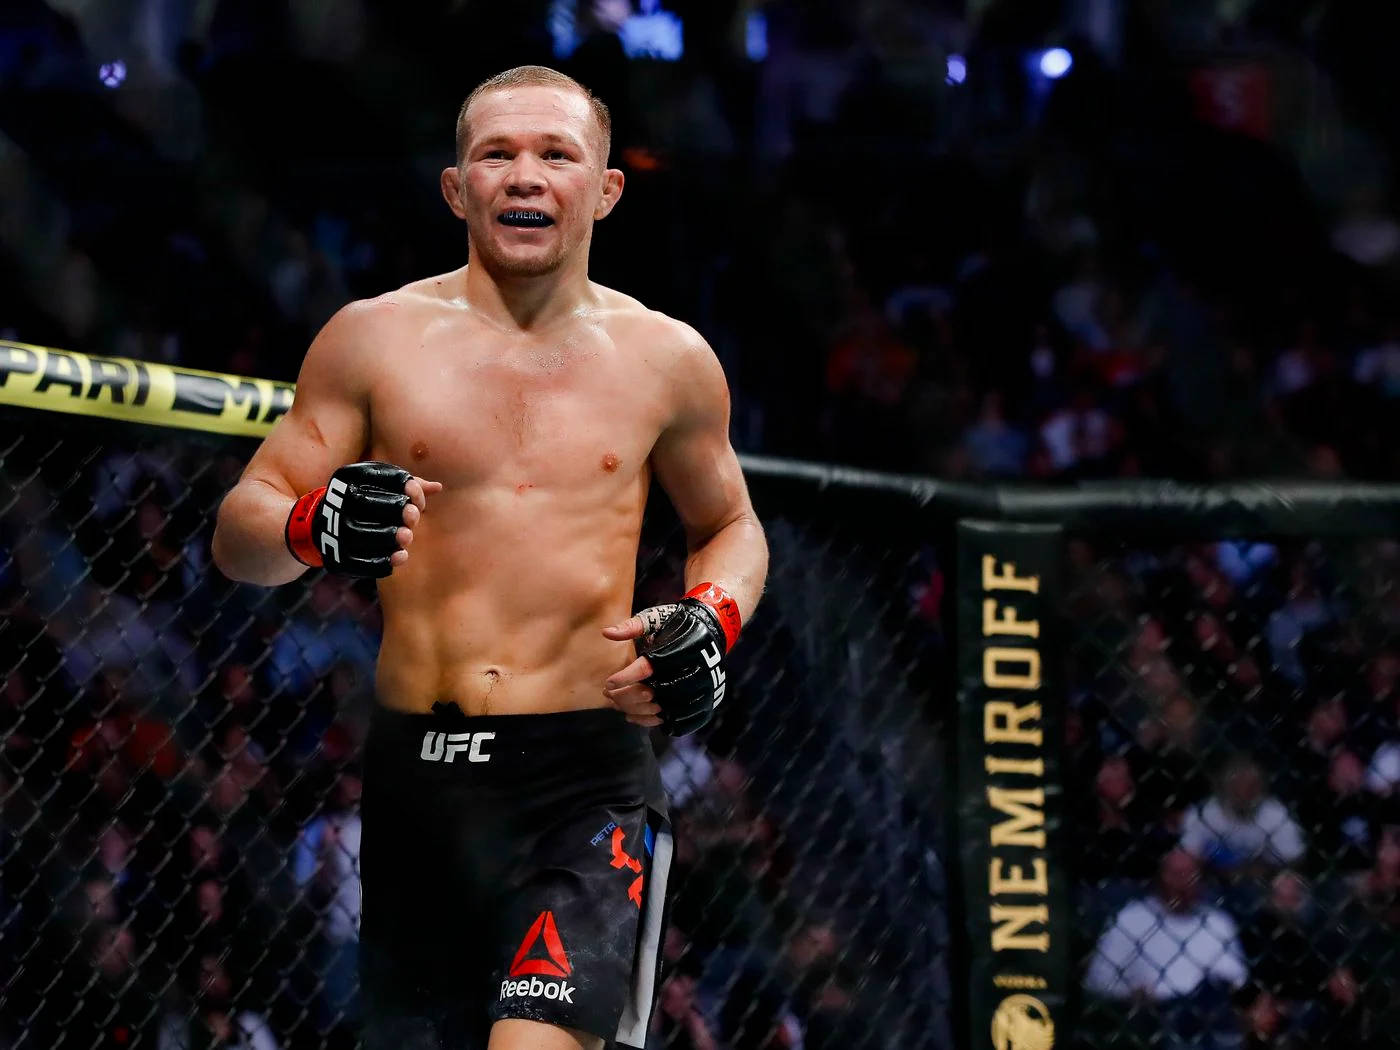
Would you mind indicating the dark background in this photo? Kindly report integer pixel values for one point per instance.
(910, 247)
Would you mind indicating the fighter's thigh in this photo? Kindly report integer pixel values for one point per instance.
(569, 936)
(516, 1033)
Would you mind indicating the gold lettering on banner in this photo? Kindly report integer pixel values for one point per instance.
(1013, 734)
(1019, 980)
(1030, 767)
(995, 657)
(1025, 810)
(1022, 1022)
(1008, 922)
(992, 580)
(1012, 881)
(1002, 721)
(1006, 623)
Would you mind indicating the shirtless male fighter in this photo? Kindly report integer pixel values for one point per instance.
(515, 840)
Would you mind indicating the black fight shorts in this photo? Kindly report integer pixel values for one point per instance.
(512, 866)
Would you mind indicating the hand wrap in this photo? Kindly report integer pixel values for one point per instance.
(350, 525)
(686, 643)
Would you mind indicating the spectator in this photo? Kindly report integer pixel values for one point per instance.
(215, 1019)
(1306, 609)
(1284, 943)
(1080, 437)
(995, 447)
(1169, 760)
(1377, 701)
(332, 627)
(115, 1009)
(1126, 840)
(758, 1016)
(686, 771)
(1241, 827)
(1310, 758)
(1265, 1021)
(678, 1023)
(326, 865)
(1379, 366)
(822, 996)
(1372, 927)
(1177, 954)
(1340, 816)
(1301, 961)
(1383, 775)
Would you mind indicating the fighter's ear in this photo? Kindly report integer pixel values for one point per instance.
(452, 191)
(612, 190)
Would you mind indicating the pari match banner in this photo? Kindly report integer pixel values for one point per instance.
(1010, 798)
(139, 391)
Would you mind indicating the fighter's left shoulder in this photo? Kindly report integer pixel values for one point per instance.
(661, 339)
(692, 370)
(672, 349)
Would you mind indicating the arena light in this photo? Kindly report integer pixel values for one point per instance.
(957, 69)
(756, 36)
(112, 73)
(1055, 63)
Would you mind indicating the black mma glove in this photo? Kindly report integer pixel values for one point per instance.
(686, 644)
(350, 525)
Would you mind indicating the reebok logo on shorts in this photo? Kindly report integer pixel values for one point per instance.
(554, 964)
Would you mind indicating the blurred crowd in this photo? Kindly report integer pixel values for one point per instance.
(912, 247)
(1234, 732)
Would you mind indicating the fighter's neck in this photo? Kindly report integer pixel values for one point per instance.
(528, 302)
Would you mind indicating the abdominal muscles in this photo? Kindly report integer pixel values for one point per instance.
(501, 605)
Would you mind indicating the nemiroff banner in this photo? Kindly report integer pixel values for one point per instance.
(1011, 806)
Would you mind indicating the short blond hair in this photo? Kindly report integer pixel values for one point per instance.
(532, 76)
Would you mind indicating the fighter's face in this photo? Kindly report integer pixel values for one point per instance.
(532, 178)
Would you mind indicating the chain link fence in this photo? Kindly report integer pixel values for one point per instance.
(1233, 723)
(179, 783)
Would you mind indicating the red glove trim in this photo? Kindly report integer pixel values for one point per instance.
(299, 540)
(725, 607)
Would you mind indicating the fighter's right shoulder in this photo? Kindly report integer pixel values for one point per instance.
(362, 319)
(350, 345)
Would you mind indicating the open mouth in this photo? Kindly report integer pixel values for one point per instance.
(524, 217)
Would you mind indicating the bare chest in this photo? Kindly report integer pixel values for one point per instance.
(475, 409)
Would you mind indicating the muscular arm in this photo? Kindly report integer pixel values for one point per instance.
(326, 427)
(697, 467)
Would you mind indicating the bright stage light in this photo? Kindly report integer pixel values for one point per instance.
(1056, 62)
